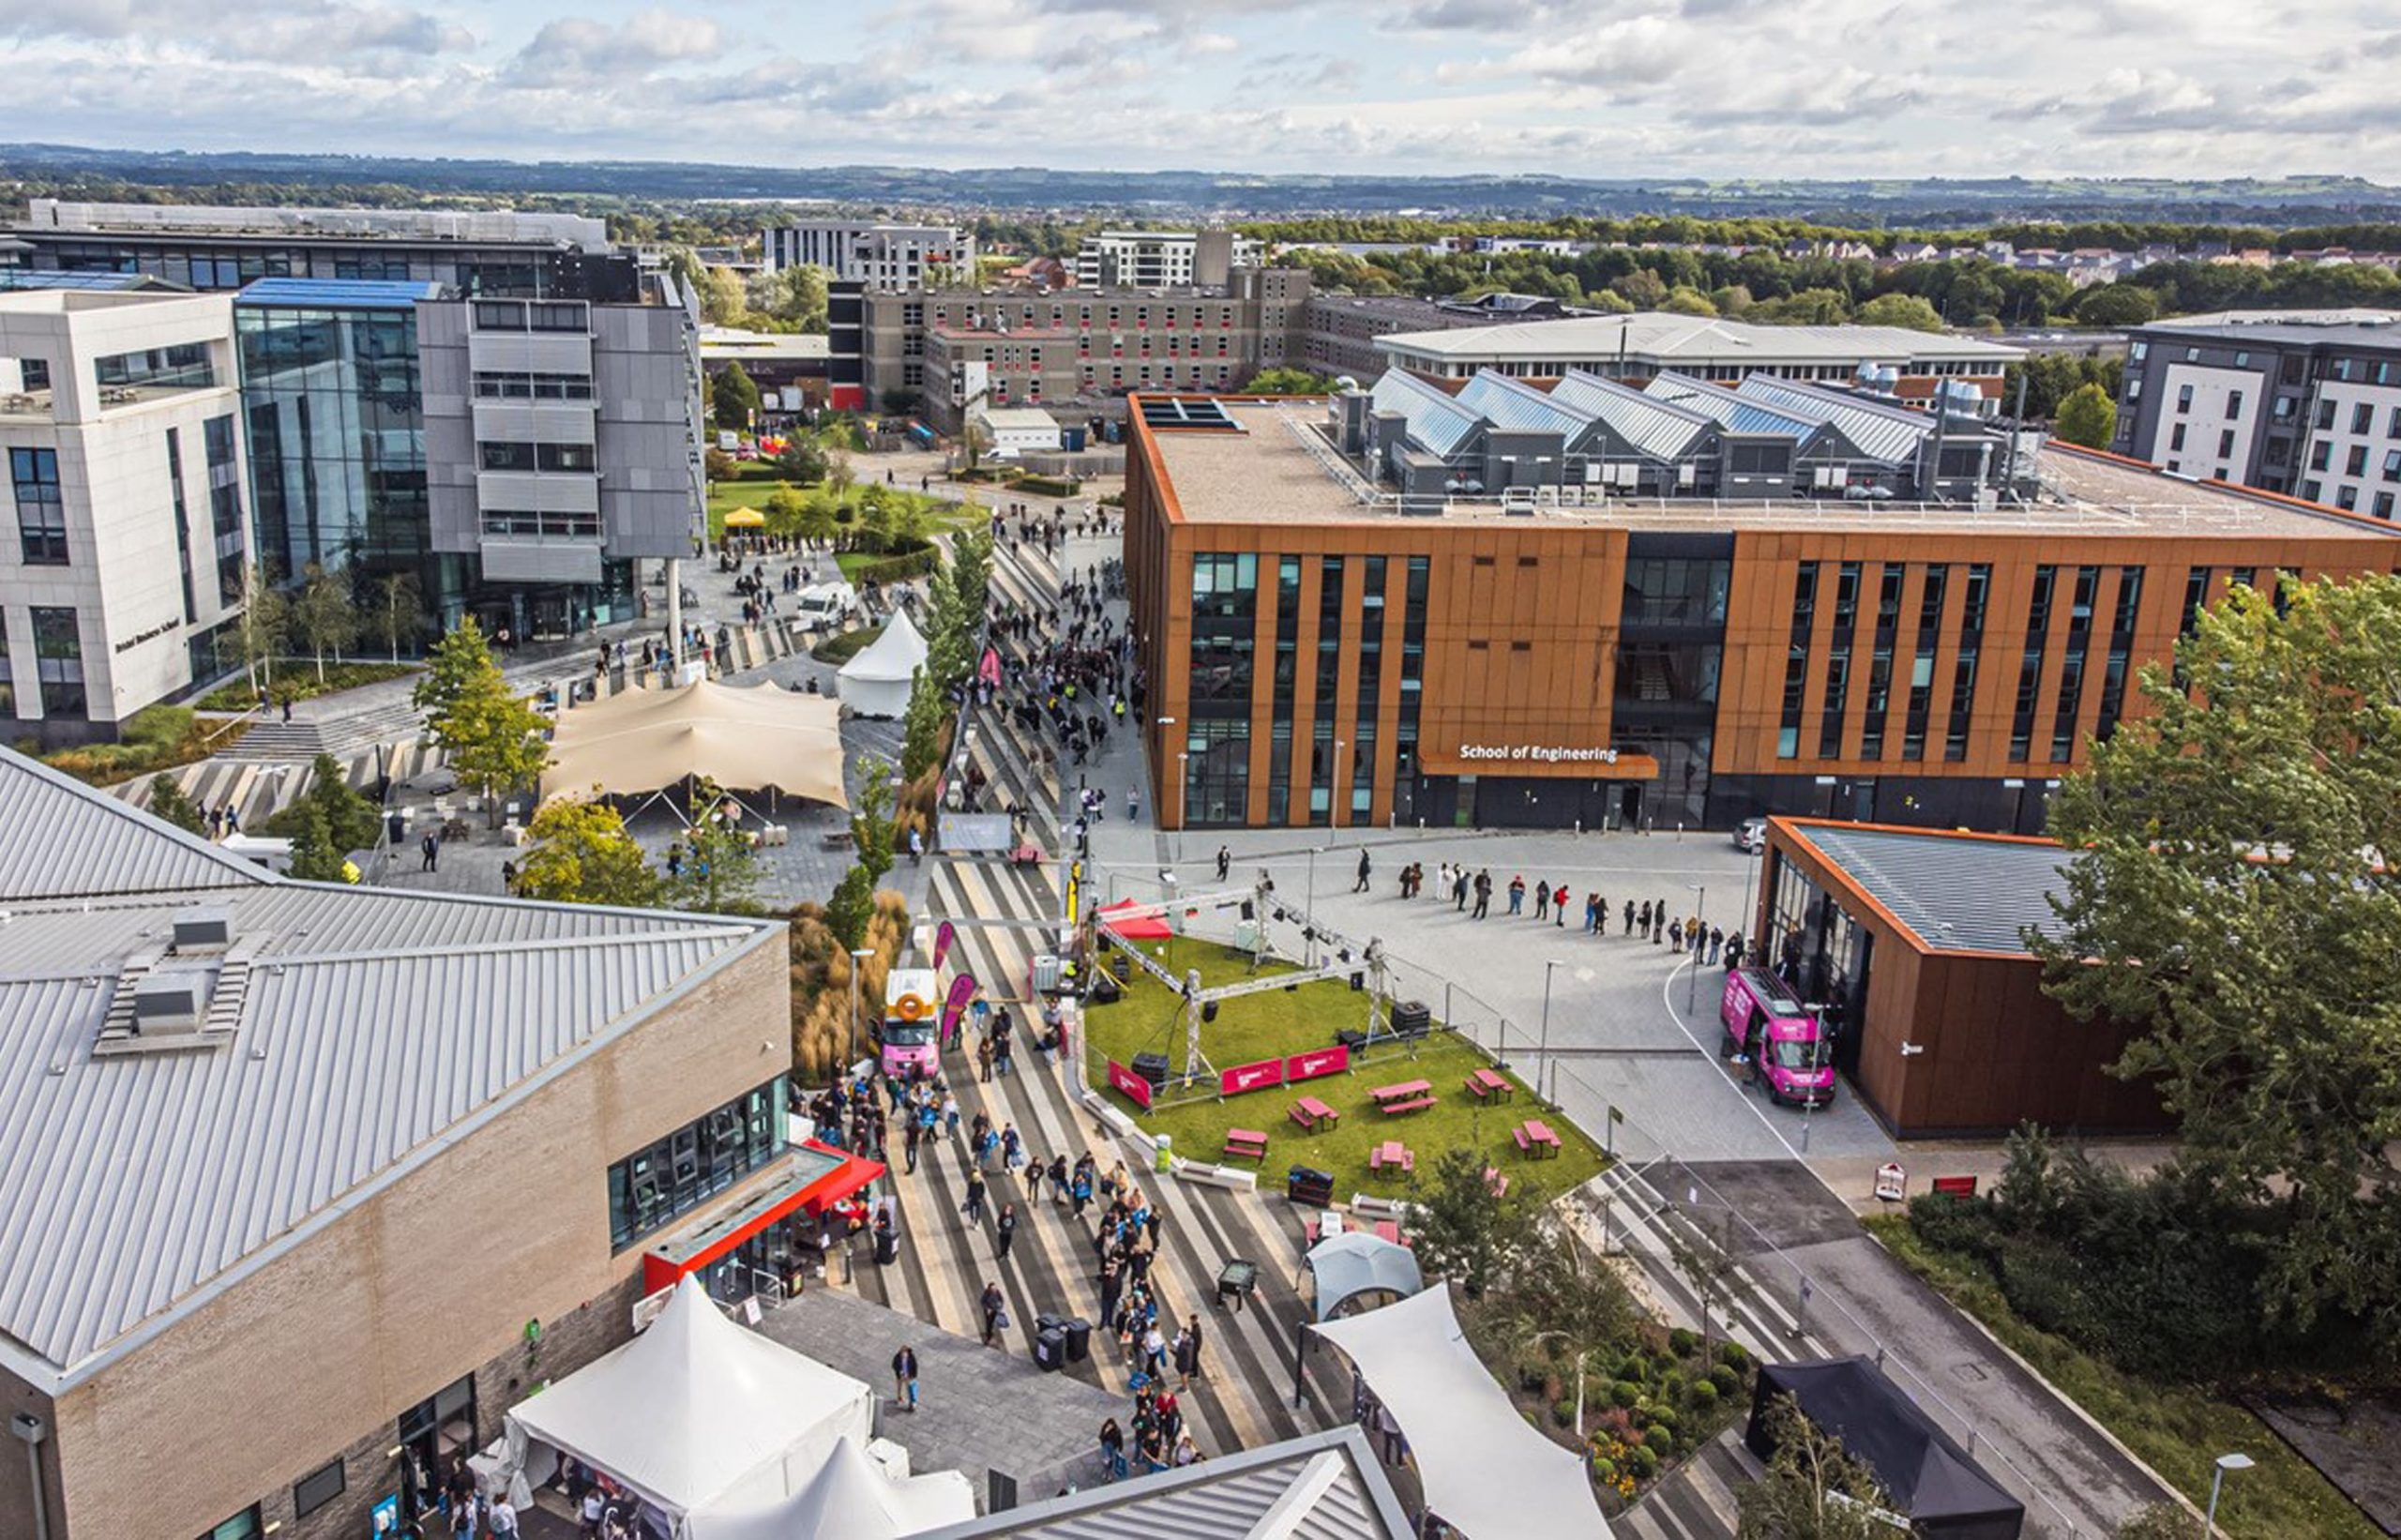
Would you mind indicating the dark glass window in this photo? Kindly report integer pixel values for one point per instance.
(2030, 668)
(1674, 592)
(1929, 630)
(242, 1526)
(317, 1488)
(1217, 773)
(1796, 660)
(1880, 661)
(1413, 687)
(1225, 613)
(1974, 598)
(41, 510)
(184, 366)
(183, 520)
(695, 1162)
(58, 659)
(1838, 661)
(2121, 641)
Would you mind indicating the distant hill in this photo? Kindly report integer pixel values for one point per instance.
(1918, 202)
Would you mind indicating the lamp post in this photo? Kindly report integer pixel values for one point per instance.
(1164, 724)
(1340, 789)
(1542, 1051)
(1692, 976)
(2217, 1480)
(858, 965)
(1183, 786)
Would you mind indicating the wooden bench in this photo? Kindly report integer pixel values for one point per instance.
(1495, 1183)
(1247, 1144)
(1404, 1088)
(1489, 1085)
(1414, 1104)
(1535, 1140)
(1391, 1155)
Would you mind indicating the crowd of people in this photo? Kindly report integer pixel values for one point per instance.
(1651, 920)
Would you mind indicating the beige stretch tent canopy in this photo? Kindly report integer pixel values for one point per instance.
(745, 740)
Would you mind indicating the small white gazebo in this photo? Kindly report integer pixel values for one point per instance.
(876, 682)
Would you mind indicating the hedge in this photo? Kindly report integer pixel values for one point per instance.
(1049, 486)
(916, 564)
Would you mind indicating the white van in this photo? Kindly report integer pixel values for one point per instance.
(828, 604)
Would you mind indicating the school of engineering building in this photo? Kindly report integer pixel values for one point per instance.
(309, 1185)
(1686, 604)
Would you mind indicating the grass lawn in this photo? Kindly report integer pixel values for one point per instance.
(1278, 1023)
(845, 646)
(2176, 1430)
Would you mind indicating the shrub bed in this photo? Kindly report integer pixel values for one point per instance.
(153, 738)
(296, 679)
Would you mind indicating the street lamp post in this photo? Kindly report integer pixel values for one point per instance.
(2217, 1480)
(1183, 785)
(1340, 789)
(1692, 977)
(1542, 1051)
(858, 966)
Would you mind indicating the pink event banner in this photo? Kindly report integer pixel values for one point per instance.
(1258, 1077)
(1130, 1083)
(1325, 1061)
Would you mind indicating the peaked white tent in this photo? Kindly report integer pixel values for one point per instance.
(698, 1411)
(852, 1498)
(745, 740)
(876, 683)
(1486, 1474)
(1357, 1263)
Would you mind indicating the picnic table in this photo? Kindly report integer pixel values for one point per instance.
(1391, 1155)
(1332, 1223)
(1250, 1143)
(1535, 1139)
(1491, 1085)
(1313, 1114)
(1407, 1096)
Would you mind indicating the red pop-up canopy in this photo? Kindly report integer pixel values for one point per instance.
(1135, 921)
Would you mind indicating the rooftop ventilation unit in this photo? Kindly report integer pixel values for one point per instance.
(170, 999)
(200, 928)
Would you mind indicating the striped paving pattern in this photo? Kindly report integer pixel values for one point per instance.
(1694, 1502)
(1244, 1398)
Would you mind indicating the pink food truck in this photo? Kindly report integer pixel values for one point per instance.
(1766, 1023)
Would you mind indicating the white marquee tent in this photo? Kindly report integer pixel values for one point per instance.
(876, 683)
(852, 1498)
(1486, 1474)
(698, 1412)
(746, 740)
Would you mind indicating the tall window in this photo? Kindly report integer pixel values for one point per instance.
(1838, 661)
(8, 674)
(2030, 668)
(183, 520)
(1929, 628)
(1279, 733)
(41, 511)
(695, 1162)
(1371, 666)
(1973, 598)
(1412, 686)
(225, 507)
(1329, 674)
(2121, 641)
(2080, 637)
(58, 658)
(1879, 662)
(1796, 659)
(1216, 764)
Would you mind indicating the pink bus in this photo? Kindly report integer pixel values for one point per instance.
(1766, 1023)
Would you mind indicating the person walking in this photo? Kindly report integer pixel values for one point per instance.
(1364, 867)
(996, 1314)
(1458, 888)
(1225, 863)
(430, 849)
(904, 1377)
(1005, 1231)
(974, 1207)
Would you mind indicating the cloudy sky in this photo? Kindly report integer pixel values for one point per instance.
(1591, 87)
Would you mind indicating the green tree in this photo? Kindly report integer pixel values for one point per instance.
(581, 854)
(1686, 301)
(322, 616)
(1642, 289)
(2117, 305)
(400, 611)
(722, 301)
(818, 518)
(2087, 418)
(801, 458)
(871, 817)
(1289, 382)
(783, 507)
(1813, 1489)
(733, 398)
(850, 908)
(721, 872)
(2232, 898)
(262, 629)
(921, 726)
(493, 734)
(793, 296)
(169, 802)
(1906, 310)
(351, 821)
(315, 858)
(1466, 1232)
(1565, 1301)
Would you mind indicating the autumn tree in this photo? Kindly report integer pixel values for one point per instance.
(581, 854)
(1813, 1489)
(399, 611)
(2234, 895)
(493, 734)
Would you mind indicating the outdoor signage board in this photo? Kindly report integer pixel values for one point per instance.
(1252, 1077)
(1317, 1061)
(1132, 1085)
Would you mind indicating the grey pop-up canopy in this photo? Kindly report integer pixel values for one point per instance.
(1930, 1480)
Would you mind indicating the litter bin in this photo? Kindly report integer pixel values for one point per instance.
(1164, 1159)
(1309, 1187)
(1050, 1350)
(888, 1248)
(1078, 1340)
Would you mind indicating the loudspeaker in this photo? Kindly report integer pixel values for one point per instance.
(1208, 1010)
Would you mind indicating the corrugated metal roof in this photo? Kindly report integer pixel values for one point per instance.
(1332, 1477)
(1659, 334)
(1520, 408)
(66, 840)
(1729, 411)
(1658, 427)
(373, 1023)
(1957, 892)
(1439, 424)
(1888, 433)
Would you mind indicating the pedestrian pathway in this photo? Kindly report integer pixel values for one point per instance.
(1697, 1501)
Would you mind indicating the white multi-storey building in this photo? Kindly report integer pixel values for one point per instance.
(1162, 259)
(881, 256)
(122, 470)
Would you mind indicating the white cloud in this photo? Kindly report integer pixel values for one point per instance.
(572, 50)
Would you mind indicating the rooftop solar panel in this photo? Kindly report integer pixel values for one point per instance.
(1186, 412)
(337, 294)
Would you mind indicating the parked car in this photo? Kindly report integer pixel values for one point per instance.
(1751, 834)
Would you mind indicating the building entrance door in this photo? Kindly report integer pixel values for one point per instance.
(1629, 806)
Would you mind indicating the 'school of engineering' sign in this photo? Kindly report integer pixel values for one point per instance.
(1537, 753)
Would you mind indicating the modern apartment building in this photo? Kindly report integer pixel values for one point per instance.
(1339, 332)
(1636, 347)
(474, 252)
(1162, 259)
(1329, 649)
(311, 1184)
(517, 456)
(120, 439)
(953, 349)
(2306, 403)
(884, 256)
